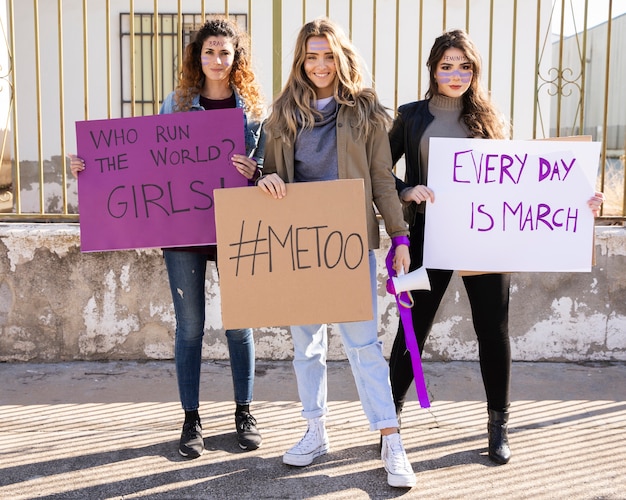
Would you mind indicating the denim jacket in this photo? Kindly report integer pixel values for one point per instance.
(253, 131)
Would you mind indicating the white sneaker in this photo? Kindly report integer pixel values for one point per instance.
(399, 471)
(312, 445)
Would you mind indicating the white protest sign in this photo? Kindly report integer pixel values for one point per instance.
(505, 205)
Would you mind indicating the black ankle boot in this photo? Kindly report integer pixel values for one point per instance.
(497, 428)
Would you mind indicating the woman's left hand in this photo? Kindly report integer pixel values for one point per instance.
(401, 259)
(246, 166)
(595, 202)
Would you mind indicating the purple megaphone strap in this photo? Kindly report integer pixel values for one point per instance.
(402, 299)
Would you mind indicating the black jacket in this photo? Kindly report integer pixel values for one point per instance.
(404, 137)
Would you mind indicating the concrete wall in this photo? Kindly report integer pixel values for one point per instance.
(57, 304)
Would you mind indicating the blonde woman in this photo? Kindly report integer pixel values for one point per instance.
(325, 125)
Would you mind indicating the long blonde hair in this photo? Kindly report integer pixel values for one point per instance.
(241, 77)
(479, 113)
(292, 109)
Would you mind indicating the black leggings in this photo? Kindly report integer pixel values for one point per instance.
(489, 301)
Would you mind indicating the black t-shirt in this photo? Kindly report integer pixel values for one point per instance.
(208, 104)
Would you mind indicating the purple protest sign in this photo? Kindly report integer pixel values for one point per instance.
(149, 180)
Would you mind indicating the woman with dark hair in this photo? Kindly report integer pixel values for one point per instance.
(455, 106)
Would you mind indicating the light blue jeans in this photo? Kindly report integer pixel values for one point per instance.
(364, 351)
(186, 271)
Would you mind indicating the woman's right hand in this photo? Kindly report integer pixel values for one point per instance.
(418, 194)
(273, 185)
(76, 165)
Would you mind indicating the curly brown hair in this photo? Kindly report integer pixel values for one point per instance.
(479, 113)
(242, 78)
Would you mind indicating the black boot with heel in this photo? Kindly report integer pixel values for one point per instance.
(497, 428)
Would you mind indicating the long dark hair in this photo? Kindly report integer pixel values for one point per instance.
(479, 113)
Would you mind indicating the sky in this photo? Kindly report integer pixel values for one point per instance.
(597, 13)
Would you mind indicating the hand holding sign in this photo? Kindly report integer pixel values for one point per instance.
(149, 180)
(515, 205)
(312, 242)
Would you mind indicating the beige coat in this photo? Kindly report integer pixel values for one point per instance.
(357, 159)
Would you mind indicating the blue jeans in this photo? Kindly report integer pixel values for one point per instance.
(186, 271)
(364, 351)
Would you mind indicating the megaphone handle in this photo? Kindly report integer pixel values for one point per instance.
(408, 302)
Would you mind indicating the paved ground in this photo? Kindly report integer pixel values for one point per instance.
(110, 430)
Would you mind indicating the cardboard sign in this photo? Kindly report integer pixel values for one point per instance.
(510, 205)
(149, 180)
(295, 261)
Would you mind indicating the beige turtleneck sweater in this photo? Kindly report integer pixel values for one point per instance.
(447, 113)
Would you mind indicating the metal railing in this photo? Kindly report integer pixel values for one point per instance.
(57, 67)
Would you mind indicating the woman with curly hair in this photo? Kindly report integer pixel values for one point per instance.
(325, 125)
(455, 106)
(216, 74)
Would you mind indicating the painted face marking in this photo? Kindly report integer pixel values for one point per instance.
(321, 45)
(217, 51)
(447, 76)
(205, 61)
